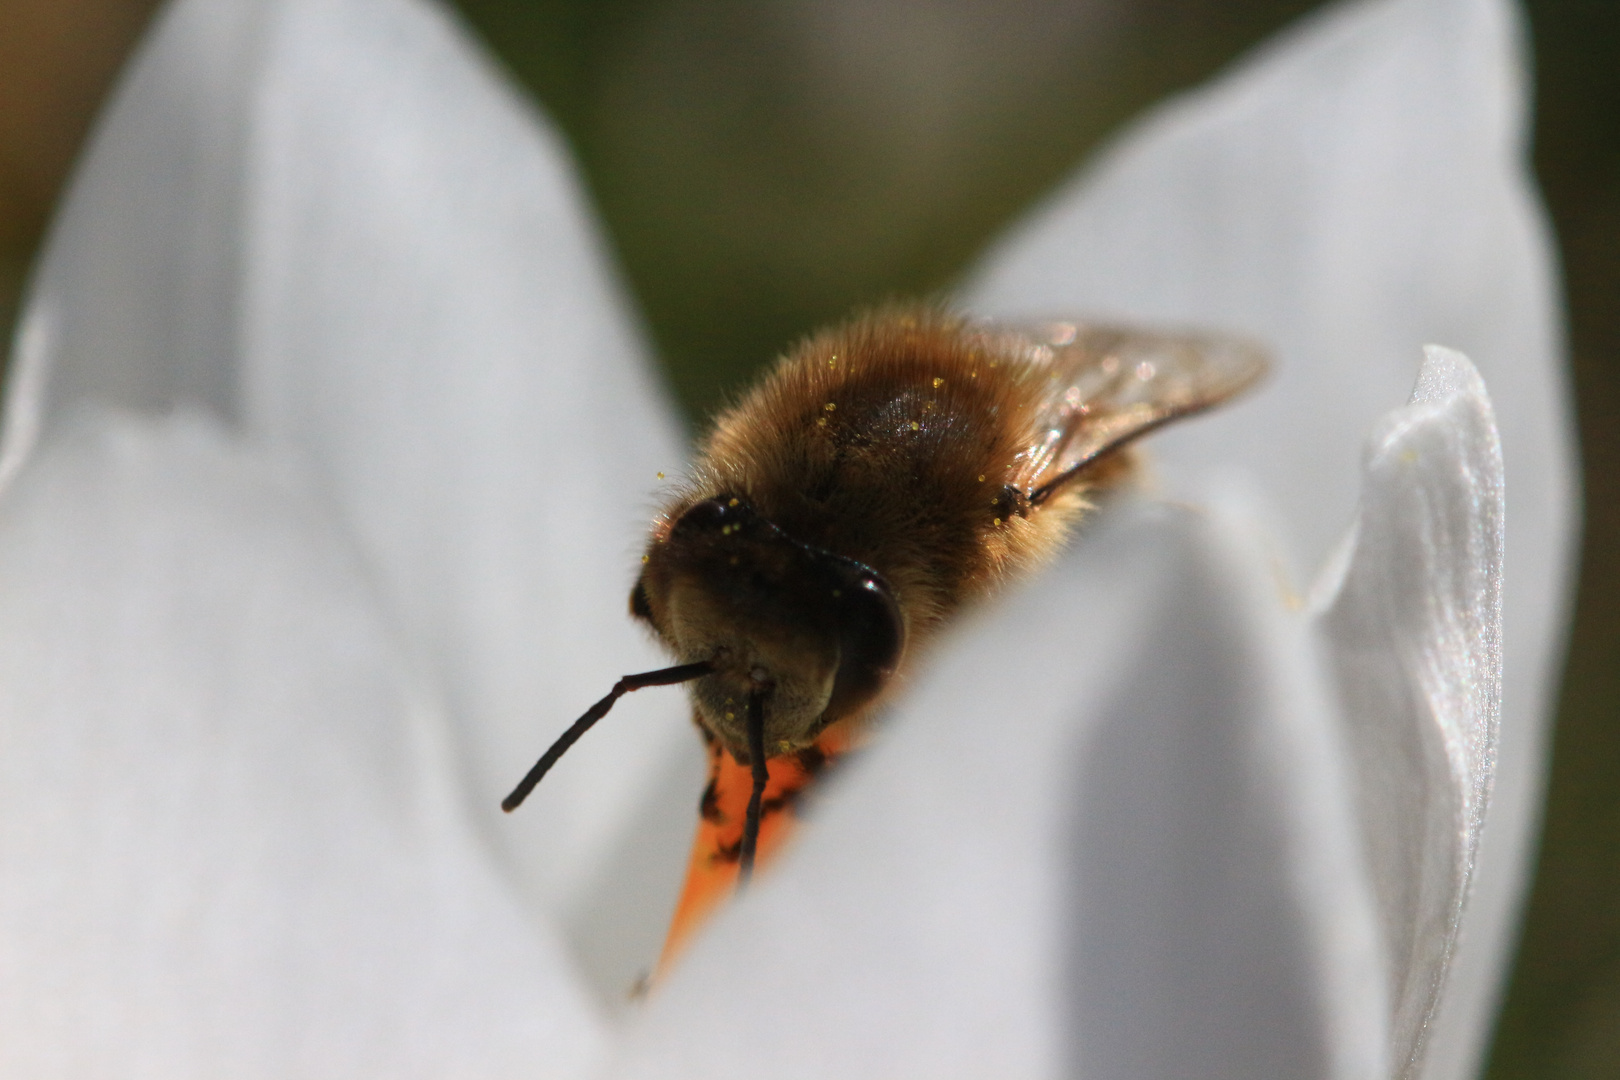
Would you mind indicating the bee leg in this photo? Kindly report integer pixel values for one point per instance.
(756, 755)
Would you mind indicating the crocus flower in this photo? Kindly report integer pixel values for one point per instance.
(328, 444)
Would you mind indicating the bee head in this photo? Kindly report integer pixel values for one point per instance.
(813, 634)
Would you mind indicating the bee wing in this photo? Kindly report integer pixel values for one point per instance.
(1112, 384)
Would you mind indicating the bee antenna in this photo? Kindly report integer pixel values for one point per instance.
(756, 756)
(662, 677)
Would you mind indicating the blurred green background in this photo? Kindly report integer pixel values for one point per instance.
(764, 165)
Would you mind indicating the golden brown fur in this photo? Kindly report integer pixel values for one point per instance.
(923, 506)
(899, 440)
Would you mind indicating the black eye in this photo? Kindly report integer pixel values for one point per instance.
(712, 515)
(870, 640)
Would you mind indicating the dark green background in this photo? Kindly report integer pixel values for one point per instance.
(760, 175)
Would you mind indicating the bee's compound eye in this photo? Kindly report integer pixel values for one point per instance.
(871, 638)
(712, 515)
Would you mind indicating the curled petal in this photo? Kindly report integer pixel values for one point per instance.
(1414, 633)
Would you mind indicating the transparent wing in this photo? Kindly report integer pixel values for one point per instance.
(1112, 384)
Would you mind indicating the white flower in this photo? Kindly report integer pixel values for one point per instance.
(327, 450)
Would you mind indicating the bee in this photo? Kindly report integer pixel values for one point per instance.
(886, 474)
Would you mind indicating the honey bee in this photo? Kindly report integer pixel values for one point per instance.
(887, 473)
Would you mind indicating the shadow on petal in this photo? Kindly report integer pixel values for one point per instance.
(1187, 959)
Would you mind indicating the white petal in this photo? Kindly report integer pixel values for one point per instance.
(1414, 635)
(330, 223)
(1356, 190)
(431, 333)
(226, 843)
(1110, 836)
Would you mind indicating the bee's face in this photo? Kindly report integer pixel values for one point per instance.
(813, 634)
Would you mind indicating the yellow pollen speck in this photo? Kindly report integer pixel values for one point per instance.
(915, 425)
(938, 383)
(981, 478)
(644, 558)
(730, 715)
(733, 502)
(785, 747)
(821, 421)
(660, 476)
(973, 374)
(997, 523)
(830, 406)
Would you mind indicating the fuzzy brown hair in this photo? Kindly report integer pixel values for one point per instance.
(899, 440)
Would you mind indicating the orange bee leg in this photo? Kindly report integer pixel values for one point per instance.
(713, 870)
